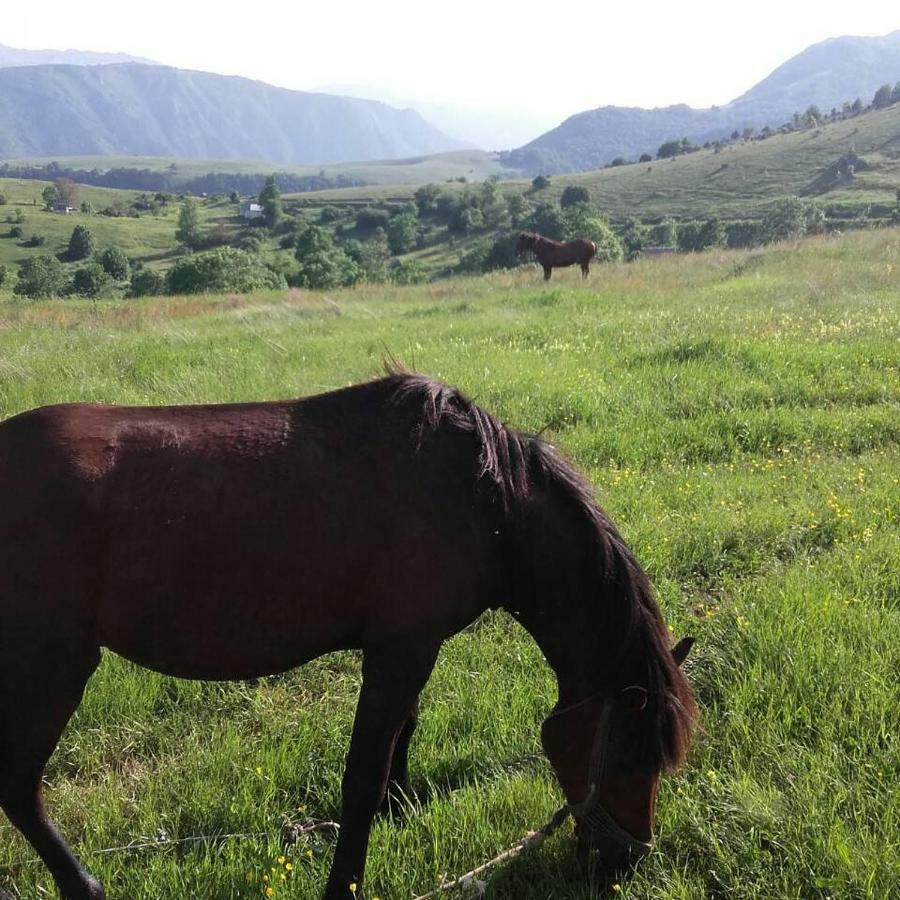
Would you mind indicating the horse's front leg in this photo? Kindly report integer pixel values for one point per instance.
(393, 675)
(548, 271)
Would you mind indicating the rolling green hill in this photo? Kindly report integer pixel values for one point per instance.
(736, 183)
(132, 109)
(825, 75)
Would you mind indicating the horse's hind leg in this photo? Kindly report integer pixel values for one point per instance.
(548, 271)
(585, 269)
(37, 697)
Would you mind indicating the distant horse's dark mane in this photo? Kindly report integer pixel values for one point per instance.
(515, 465)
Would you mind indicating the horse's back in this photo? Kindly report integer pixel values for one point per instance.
(220, 541)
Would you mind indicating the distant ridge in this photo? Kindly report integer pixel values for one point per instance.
(12, 56)
(825, 75)
(128, 109)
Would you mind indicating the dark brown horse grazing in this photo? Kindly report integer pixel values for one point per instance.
(553, 254)
(224, 542)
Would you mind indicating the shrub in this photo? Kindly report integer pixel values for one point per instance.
(665, 234)
(572, 195)
(115, 263)
(618, 161)
(146, 283)
(369, 218)
(81, 243)
(634, 235)
(223, 269)
(407, 271)
(36, 240)
(791, 217)
(89, 280)
(43, 276)
(540, 182)
(16, 231)
(3, 274)
(3, 200)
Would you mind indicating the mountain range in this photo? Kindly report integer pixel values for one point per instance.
(127, 109)
(825, 75)
(12, 56)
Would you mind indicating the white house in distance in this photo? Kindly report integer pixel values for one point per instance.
(251, 210)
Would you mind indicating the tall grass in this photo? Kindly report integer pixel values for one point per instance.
(739, 415)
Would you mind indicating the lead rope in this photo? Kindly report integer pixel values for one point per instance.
(531, 841)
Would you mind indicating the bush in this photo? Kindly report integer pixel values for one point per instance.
(115, 263)
(618, 161)
(791, 217)
(81, 244)
(634, 235)
(43, 276)
(3, 274)
(573, 195)
(3, 200)
(146, 283)
(744, 234)
(407, 271)
(36, 240)
(90, 280)
(369, 218)
(16, 231)
(665, 234)
(550, 221)
(540, 183)
(224, 269)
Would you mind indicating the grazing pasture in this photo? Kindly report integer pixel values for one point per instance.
(739, 415)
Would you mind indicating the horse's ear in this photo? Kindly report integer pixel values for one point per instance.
(682, 648)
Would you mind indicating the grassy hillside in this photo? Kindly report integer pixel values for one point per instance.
(150, 238)
(739, 416)
(735, 183)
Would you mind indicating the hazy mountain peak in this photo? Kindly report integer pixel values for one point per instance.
(11, 56)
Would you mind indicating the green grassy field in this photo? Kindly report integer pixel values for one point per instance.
(739, 415)
(475, 165)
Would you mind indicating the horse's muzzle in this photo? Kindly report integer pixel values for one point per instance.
(616, 848)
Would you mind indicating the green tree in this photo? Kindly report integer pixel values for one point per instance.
(518, 209)
(42, 276)
(50, 196)
(270, 201)
(188, 232)
(712, 234)
(786, 218)
(882, 98)
(3, 200)
(322, 265)
(895, 93)
(618, 161)
(426, 198)
(374, 256)
(115, 263)
(572, 195)
(81, 243)
(402, 231)
(550, 220)
(539, 183)
(582, 222)
(3, 273)
(645, 158)
(633, 235)
(219, 270)
(90, 280)
(856, 107)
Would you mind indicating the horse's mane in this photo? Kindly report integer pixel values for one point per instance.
(515, 465)
(536, 238)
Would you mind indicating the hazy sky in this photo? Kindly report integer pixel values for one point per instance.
(557, 58)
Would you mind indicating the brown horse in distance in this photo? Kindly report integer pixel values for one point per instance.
(235, 541)
(555, 254)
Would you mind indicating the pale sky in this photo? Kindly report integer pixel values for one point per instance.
(555, 58)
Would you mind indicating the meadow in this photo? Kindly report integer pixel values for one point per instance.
(739, 416)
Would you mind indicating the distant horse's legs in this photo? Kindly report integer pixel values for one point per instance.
(548, 271)
(399, 787)
(392, 678)
(36, 700)
(585, 269)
